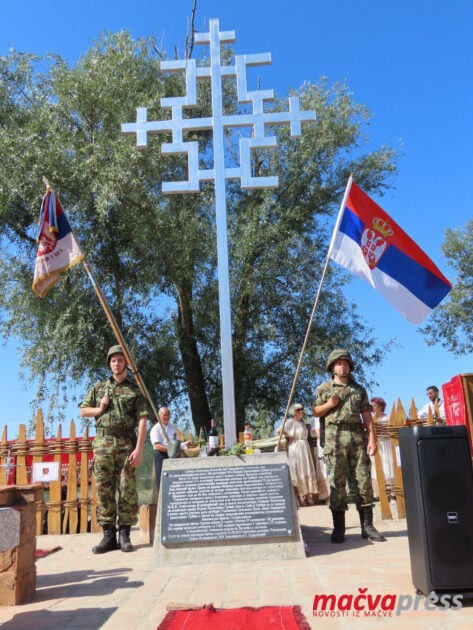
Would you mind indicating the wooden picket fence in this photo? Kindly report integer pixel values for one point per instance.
(73, 511)
(397, 420)
(76, 512)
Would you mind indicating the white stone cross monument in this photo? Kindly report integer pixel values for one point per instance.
(256, 120)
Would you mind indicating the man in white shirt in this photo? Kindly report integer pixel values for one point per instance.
(160, 436)
(433, 395)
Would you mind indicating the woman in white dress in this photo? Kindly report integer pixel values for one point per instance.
(385, 451)
(301, 463)
(320, 467)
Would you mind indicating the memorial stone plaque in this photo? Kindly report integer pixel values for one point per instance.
(230, 503)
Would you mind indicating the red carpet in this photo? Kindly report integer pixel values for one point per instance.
(264, 618)
(40, 553)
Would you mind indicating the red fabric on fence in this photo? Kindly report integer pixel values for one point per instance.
(40, 553)
(264, 618)
(47, 457)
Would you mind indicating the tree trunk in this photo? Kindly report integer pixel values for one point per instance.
(239, 341)
(241, 321)
(240, 396)
(191, 360)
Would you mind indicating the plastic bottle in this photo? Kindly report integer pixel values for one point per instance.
(203, 443)
(248, 443)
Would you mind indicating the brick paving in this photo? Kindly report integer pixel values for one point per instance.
(79, 590)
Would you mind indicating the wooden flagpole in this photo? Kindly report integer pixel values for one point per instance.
(115, 327)
(119, 336)
(311, 319)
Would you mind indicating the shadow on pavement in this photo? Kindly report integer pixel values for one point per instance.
(141, 546)
(94, 589)
(82, 584)
(91, 618)
(395, 534)
(318, 541)
(78, 576)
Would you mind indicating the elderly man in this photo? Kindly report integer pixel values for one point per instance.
(160, 436)
(433, 395)
(348, 443)
(118, 408)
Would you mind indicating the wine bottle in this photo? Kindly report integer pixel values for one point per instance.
(213, 439)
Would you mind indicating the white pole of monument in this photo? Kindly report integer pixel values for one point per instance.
(223, 273)
(257, 121)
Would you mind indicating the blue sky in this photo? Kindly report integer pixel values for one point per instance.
(408, 62)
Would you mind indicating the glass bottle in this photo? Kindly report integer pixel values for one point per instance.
(213, 437)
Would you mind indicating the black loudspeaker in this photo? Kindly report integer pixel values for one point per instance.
(438, 491)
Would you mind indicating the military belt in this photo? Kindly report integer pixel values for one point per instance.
(116, 432)
(347, 426)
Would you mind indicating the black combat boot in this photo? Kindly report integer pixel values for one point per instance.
(338, 534)
(124, 538)
(109, 540)
(367, 528)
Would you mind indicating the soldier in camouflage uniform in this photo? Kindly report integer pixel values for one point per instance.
(348, 443)
(118, 408)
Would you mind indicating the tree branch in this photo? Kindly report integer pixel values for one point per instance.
(190, 47)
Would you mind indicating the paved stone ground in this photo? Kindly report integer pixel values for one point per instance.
(78, 590)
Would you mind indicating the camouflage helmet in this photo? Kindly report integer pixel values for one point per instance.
(339, 353)
(114, 350)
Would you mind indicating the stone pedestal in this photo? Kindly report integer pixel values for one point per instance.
(269, 485)
(18, 542)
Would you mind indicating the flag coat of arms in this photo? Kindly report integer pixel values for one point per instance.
(371, 245)
(58, 248)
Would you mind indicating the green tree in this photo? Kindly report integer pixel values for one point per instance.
(450, 323)
(155, 256)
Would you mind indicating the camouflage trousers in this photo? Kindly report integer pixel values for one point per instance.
(114, 474)
(346, 458)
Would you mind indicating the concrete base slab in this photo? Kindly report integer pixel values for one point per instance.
(249, 549)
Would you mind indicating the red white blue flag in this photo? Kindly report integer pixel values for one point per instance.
(370, 244)
(58, 248)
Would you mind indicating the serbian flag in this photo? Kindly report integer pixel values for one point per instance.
(367, 242)
(58, 248)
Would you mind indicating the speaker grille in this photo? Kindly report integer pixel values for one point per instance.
(446, 489)
(447, 493)
(452, 544)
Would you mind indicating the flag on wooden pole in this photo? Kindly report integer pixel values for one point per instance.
(367, 242)
(58, 248)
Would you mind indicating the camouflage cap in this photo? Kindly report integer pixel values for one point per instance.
(339, 353)
(114, 350)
